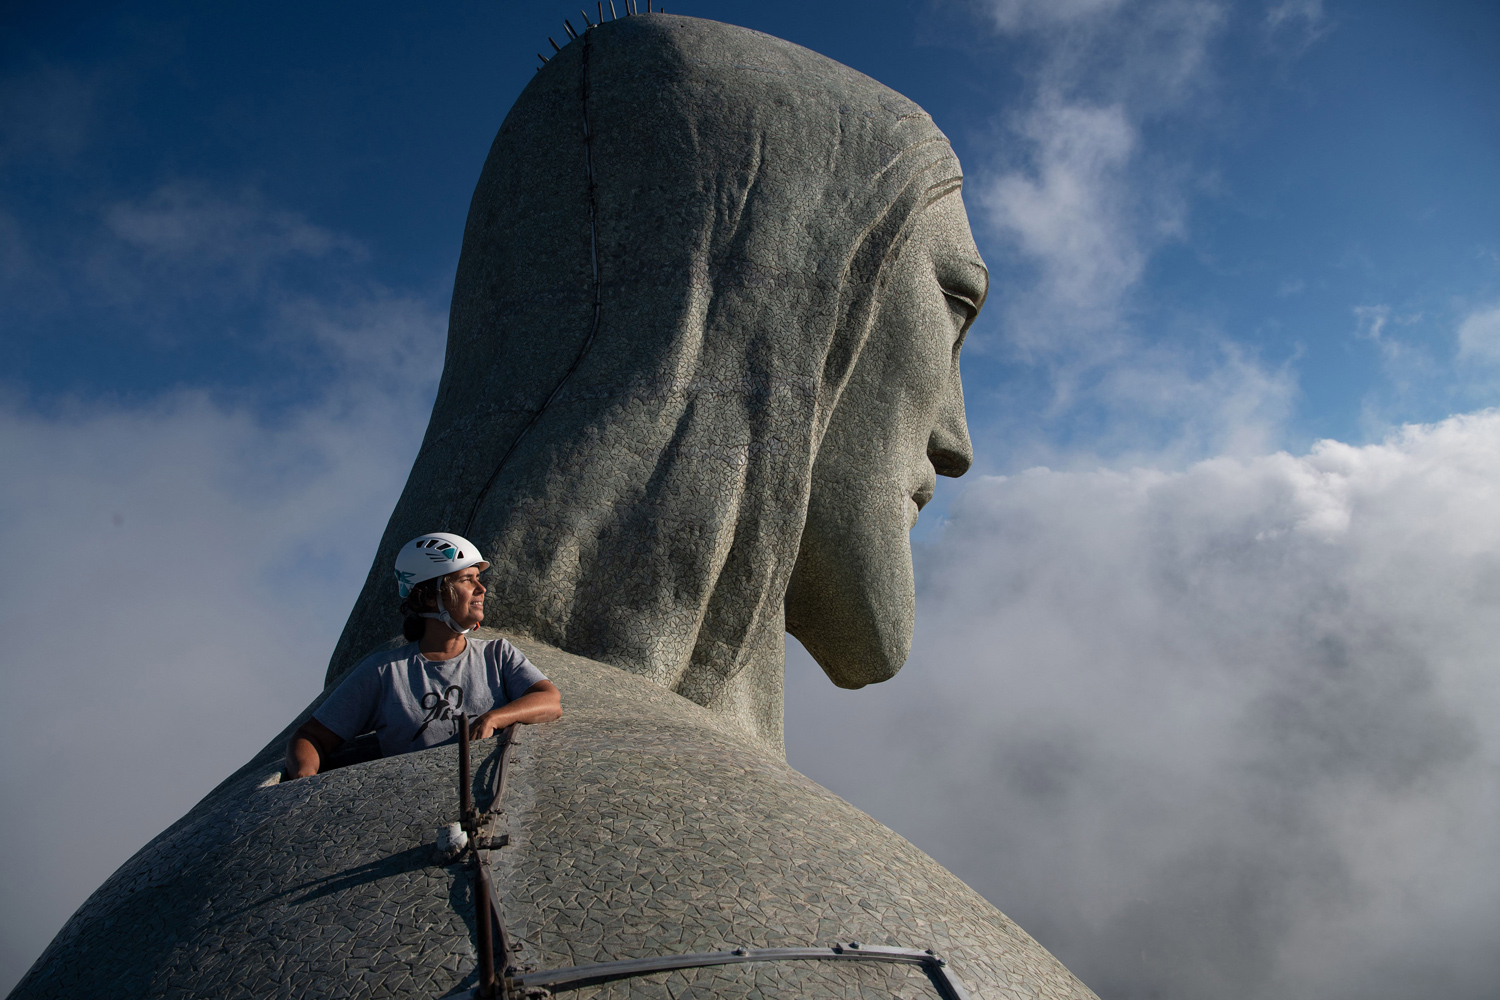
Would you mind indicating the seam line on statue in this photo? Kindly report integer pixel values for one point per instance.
(588, 341)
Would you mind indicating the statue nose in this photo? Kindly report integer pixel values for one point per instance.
(950, 450)
(948, 447)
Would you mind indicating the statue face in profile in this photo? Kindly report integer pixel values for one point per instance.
(702, 365)
(899, 425)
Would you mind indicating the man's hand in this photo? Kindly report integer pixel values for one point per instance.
(542, 702)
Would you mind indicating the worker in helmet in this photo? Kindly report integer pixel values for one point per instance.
(411, 696)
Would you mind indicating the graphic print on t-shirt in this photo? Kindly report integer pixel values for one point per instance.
(441, 707)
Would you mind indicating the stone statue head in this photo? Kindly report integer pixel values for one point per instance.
(702, 365)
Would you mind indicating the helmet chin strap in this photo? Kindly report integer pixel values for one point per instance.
(443, 616)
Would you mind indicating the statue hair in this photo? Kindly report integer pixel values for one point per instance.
(670, 266)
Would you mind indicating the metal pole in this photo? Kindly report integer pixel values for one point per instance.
(465, 784)
(483, 927)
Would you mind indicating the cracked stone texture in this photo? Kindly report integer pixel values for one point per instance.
(641, 824)
(768, 387)
(739, 447)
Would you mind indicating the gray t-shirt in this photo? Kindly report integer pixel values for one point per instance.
(412, 702)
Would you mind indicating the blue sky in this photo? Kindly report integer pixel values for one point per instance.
(1216, 604)
(1306, 187)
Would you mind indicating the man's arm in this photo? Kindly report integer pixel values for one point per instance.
(542, 702)
(308, 746)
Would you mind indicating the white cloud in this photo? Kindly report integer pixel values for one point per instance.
(191, 222)
(1293, 11)
(1022, 15)
(1230, 731)
(1479, 335)
(188, 242)
(1082, 191)
(392, 340)
(1071, 213)
(180, 568)
(1228, 405)
(1075, 192)
(178, 574)
(1371, 320)
(1298, 23)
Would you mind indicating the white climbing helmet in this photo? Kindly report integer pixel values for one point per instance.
(433, 555)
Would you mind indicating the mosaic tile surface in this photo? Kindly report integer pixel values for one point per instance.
(640, 825)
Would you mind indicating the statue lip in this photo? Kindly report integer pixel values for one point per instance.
(922, 492)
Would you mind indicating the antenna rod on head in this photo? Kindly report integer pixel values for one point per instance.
(568, 27)
(584, 14)
(555, 47)
(601, 11)
(612, 15)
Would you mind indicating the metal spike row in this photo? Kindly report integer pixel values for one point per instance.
(601, 11)
(568, 27)
(586, 20)
(612, 15)
(542, 58)
(555, 46)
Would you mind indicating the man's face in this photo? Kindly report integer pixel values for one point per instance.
(463, 596)
(898, 425)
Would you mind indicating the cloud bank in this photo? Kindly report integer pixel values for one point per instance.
(1230, 731)
(182, 566)
(179, 574)
(1221, 729)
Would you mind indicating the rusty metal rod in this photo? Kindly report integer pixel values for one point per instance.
(484, 929)
(508, 738)
(465, 782)
(502, 939)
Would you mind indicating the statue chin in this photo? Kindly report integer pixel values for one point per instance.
(853, 606)
(899, 424)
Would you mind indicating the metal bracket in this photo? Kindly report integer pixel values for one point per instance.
(485, 833)
(937, 970)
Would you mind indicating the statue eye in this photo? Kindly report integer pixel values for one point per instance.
(962, 304)
(965, 283)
